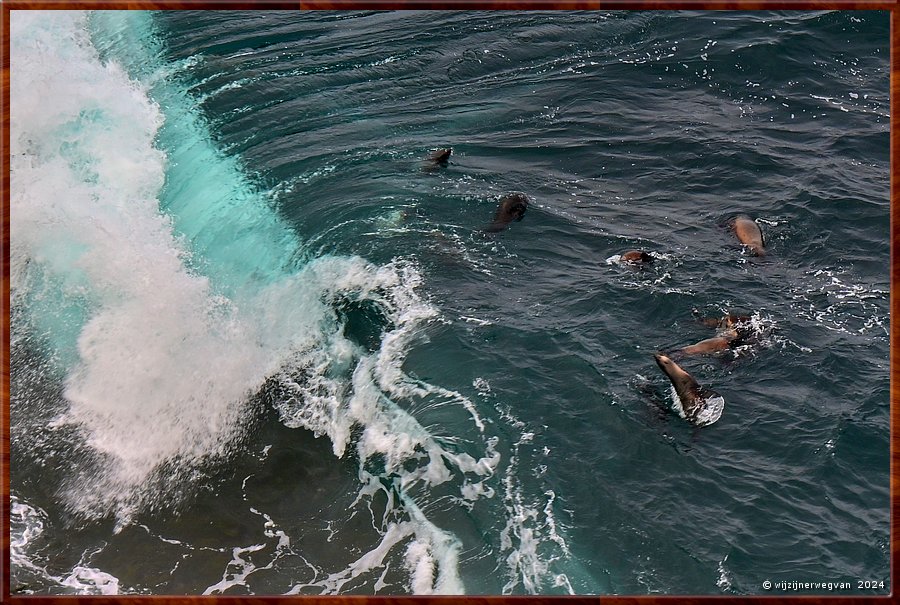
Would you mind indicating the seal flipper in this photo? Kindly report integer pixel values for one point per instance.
(709, 407)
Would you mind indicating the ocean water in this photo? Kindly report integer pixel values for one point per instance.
(261, 346)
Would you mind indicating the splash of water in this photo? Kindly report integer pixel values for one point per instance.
(168, 293)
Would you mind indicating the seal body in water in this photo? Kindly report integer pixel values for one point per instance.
(699, 405)
(636, 257)
(722, 323)
(437, 159)
(749, 234)
(731, 331)
(725, 340)
(441, 156)
(511, 208)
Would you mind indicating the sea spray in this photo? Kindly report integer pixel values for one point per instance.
(157, 367)
(167, 307)
(234, 233)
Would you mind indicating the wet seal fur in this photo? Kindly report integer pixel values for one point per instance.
(749, 234)
(437, 159)
(726, 340)
(511, 208)
(731, 331)
(699, 405)
(722, 323)
(441, 156)
(636, 257)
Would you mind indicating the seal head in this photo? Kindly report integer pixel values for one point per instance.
(511, 208)
(437, 159)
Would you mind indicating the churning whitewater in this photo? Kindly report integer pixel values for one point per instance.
(160, 290)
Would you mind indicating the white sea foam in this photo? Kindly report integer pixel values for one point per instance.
(87, 580)
(158, 363)
(530, 538)
(852, 308)
(327, 403)
(724, 580)
(165, 339)
(27, 526)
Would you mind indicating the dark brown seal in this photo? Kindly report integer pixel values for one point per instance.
(437, 159)
(724, 322)
(440, 156)
(511, 208)
(731, 331)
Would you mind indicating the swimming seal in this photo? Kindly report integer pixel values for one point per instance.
(437, 159)
(725, 340)
(731, 331)
(636, 257)
(699, 405)
(440, 156)
(511, 208)
(749, 234)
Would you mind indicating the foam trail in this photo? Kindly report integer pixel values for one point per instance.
(27, 527)
(26, 524)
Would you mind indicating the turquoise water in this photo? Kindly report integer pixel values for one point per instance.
(261, 346)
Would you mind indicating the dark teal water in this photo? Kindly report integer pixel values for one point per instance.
(261, 346)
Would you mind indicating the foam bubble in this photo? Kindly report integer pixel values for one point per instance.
(849, 308)
(87, 580)
(724, 579)
(27, 526)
